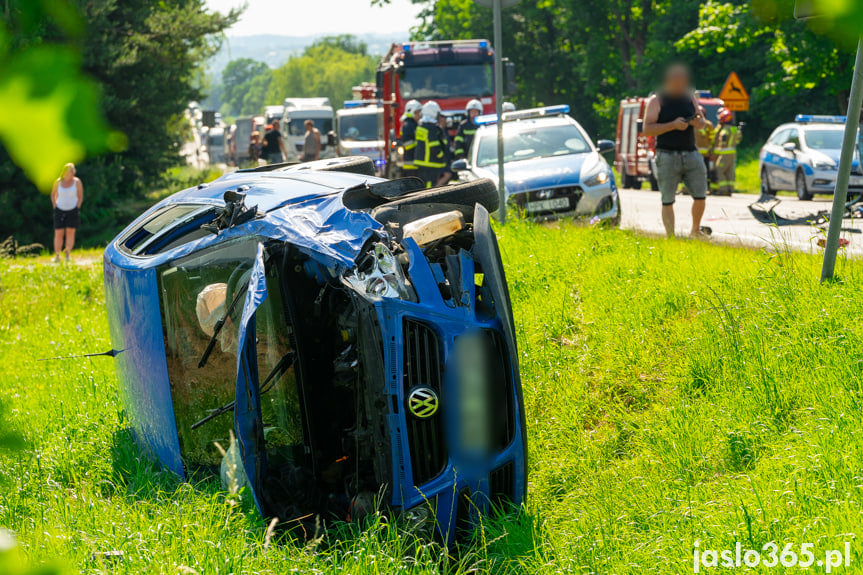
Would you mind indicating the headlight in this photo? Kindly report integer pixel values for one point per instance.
(600, 177)
(824, 165)
(379, 276)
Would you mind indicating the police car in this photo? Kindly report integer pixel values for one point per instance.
(803, 156)
(552, 168)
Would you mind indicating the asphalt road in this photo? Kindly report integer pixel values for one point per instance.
(733, 223)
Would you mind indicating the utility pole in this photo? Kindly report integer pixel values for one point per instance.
(497, 7)
(849, 143)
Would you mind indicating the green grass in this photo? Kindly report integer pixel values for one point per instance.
(676, 391)
(747, 178)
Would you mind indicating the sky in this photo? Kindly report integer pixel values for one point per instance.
(314, 17)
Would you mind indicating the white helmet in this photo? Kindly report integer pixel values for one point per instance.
(508, 107)
(412, 107)
(431, 110)
(473, 105)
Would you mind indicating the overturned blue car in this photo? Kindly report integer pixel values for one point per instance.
(353, 334)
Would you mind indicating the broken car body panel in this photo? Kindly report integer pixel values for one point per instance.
(373, 398)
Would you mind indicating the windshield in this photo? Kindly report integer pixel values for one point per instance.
(521, 143)
(824, 139)
(473, 80)
(359, 127)
(196, 294)
(297, 125)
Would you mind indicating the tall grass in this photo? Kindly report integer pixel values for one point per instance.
(676, 391)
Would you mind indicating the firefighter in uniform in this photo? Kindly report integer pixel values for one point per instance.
(430, 155)
(704, 141)
(467, 129)
(725, 151)
(407, 139)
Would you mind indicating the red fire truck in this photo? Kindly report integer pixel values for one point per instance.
(633, 157)
(450, 72)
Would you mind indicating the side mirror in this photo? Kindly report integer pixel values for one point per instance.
(459, 165)
(510, 84)
(605, 146)
(789, 147)
(331, 138)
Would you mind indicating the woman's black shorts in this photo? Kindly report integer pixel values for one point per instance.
(66, 218)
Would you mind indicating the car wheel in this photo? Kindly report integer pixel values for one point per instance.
(630, 182)
(351, 164)
(482, 192)
(800, 184)
(766, 190)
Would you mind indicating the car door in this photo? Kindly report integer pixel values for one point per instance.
(788, 165)
(772, 157)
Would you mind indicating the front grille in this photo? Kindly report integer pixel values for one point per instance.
(422, 368)
(501, 485)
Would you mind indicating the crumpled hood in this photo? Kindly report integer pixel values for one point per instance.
(539, 173)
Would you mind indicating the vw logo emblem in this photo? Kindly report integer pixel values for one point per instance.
(423, 402)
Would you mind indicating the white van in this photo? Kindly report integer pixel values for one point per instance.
(297, 111)
(359, 132)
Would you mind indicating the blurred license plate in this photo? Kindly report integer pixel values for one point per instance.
(547, 205)
(856, 181)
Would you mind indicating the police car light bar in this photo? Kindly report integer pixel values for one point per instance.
(524, 114)
(814, 118)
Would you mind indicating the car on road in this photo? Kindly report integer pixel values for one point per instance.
(803, 156)
(551, 167)
(350, 338)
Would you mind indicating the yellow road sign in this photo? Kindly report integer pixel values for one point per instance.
(734, 95)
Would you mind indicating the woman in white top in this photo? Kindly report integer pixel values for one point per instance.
(66, 197)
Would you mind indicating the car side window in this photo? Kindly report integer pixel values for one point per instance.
(793, 137)
(780, 138)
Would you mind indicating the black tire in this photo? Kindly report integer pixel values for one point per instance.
(630, 182)
(800, 185)
(766, 190)
(351, 164)
(482, 192)
(654, 183)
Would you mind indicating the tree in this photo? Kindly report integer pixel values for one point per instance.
(324, 69)
(236, 79)
(344, 42)
(145, 59)
(592, 53)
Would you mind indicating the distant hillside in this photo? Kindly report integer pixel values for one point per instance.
(274, 50)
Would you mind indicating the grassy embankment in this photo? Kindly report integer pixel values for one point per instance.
(676, 391)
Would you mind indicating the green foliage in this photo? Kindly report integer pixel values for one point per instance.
(592, 53)
(57, 117)
(675, 391)
(237, 78)
(329, 68)
(138, 60)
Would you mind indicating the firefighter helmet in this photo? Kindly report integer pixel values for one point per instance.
(412, 107)
(726, 116)
(508, 107)
(431, 110)
(473, 105)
